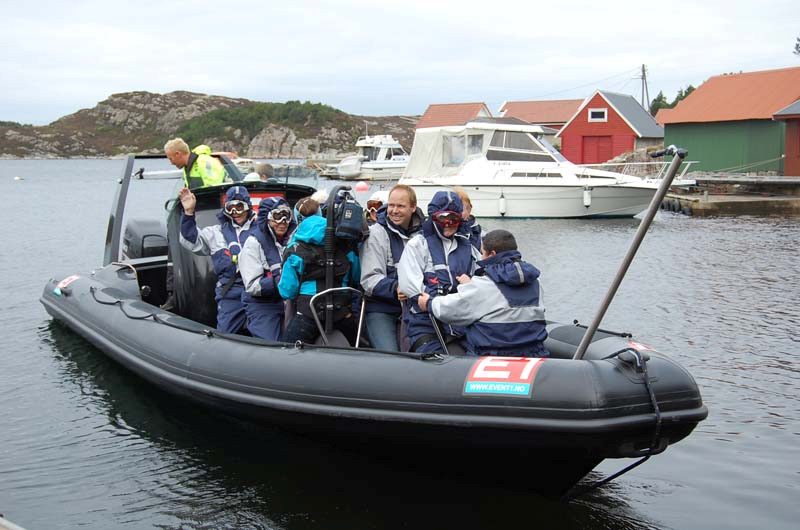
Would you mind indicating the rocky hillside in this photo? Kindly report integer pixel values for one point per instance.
(141, 122)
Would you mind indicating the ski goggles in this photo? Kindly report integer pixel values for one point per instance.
(280, 215)
(446, 218)
(374, 206)
(236, 207)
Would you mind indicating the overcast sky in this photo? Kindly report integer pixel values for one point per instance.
(377, 58)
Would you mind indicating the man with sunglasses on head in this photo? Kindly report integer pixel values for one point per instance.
(223, 242)
(435, 261)
(501, 307)
(260, 267)
(397, 222)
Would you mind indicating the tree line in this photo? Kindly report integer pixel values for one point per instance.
(660, 102)
(250, 119)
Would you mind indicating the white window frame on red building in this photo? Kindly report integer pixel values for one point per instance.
(603, 110)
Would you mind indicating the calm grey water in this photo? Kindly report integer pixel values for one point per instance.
(84, 443)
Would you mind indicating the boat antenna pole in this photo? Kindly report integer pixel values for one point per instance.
(330, 248)
(679, 155)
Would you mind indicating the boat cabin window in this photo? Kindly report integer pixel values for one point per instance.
(537, 174)
(396, 151)
(453, 150)
(517, 146)
(370, 152)
(474, 144)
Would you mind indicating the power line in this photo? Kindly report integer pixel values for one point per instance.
(595, 83)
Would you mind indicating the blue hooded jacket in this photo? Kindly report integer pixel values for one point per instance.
(222, 242)
(311, 231)
(501, 308)
(424, 265)
(261, 277)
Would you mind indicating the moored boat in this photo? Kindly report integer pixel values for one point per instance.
(548, 420)
(379, 157)
(510, 170)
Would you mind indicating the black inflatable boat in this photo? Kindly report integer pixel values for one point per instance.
(548, 420)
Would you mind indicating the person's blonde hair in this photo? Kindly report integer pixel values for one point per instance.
(462, 193)
(412, 195)
(176, 145)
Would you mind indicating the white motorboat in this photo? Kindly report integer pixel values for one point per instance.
(509, 170)
(379, 157)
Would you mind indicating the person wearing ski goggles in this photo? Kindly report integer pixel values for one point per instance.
(280, 216)
(448, 221)
(375, 202)
(260, 267)
(435, 262)
(236, 207)
(223, 242)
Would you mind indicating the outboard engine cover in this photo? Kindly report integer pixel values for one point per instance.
(144, 238)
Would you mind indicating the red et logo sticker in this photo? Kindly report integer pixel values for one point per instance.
(66, 281)
(507, 376)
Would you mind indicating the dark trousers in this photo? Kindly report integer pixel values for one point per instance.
(304, 329)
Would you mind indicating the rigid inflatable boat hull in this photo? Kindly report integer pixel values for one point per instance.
(556, 416)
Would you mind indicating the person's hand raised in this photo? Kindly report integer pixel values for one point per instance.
(188, 201)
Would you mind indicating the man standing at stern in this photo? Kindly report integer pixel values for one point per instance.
(200, 169)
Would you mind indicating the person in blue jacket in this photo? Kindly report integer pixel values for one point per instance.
(260, 267)
(223, 242)
(397, 222)
(501, 307)
(436, 261)
(303, 276)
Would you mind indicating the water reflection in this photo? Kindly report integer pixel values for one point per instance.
(171, 464)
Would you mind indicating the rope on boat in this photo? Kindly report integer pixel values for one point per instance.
(623, 334)
(641, 363)
(208, 332)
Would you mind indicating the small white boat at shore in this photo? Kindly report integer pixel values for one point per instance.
(379, 157)
(509, 170)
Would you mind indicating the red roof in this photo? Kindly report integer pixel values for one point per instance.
(444, 114)
(662, 115)
(731, 97)
(542, 112)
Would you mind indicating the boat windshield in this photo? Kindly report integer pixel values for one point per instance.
(553, 151)
(518, 146)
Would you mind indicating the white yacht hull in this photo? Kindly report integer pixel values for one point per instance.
(369, 171)
(542, 201)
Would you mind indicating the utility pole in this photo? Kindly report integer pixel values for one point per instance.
(645, 92)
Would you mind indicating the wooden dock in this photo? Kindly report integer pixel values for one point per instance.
(718, 195)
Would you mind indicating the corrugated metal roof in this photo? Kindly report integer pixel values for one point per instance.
(445, 114)
(634, 114)
(732, 97)
(791, 110)
(553, 111)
